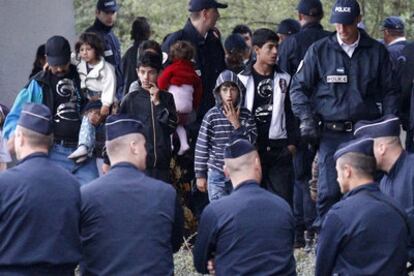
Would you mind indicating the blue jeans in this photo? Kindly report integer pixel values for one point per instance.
(85, 172)
(217, 185)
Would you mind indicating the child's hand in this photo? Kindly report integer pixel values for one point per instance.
(202, 184)
(154, 93)
(104, 110)
(232, 114)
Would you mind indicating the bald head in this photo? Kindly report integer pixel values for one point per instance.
(386, 151)
(242, 168)
(27, 141)
(128, 148)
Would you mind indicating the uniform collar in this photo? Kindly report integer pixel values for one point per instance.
(194, 35)
(366, 187)
(124, 165)
(246, 184)
(364, 40)
(31, 156)
(101, 26)
(397, 164)
(400, 39)
(311, 25)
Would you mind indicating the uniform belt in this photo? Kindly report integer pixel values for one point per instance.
(339, 126)
(65, 143)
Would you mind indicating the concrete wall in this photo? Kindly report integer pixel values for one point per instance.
(24, 25)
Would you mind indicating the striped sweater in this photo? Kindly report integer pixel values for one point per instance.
(214, 134)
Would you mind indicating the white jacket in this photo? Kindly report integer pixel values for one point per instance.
(278, 123)
(100, 79)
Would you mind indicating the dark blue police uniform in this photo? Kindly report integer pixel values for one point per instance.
(40, 211)
(340, 90)
(293, 49)
(209, 60)
(363, 234)
(249, 232)
(398, 183)
(129, 225)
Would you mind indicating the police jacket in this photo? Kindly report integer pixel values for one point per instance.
(209, 60)
(112, 51)
(130, 224)
(160, 121)
(398, 183)
(293, 49)
(338, 88)
(363, 234)
(40, 212)
(249, 232)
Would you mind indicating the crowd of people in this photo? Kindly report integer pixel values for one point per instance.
(292, 136)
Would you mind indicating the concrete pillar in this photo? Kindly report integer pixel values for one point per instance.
(24, 25)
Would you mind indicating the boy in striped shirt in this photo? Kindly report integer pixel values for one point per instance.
(226, 119)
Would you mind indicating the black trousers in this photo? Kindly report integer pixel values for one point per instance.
(277, 170)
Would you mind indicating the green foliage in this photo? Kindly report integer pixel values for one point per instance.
(168, 16)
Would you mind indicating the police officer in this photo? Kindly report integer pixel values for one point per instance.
(392, 159)
(106, 12)
(344, 78)
(393, 30)
(39, 204)
(237, 232)
(292, 51)
(365, 233)
(209, 52)
(131, 224)
(286, 28)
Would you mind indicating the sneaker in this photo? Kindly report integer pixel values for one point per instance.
(309, 240)
(81, 151)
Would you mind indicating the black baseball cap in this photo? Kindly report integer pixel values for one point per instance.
(310, 7)
(393, 23)
(198, 5)
(107, 5)
(57, 51)
(345, 12)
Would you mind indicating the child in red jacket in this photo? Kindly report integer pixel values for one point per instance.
(181, 80)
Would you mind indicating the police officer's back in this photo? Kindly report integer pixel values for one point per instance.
(251, 230)
(365, 233)
(293, 49)
(131, 224)
(39, 204)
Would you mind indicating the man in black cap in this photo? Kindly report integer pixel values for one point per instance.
(286, 28)
(292, 51)
(131, 224)
(392, 159)
(393, 30)
(106, 13)
(39, 204)
(251, 230)
(209, 57)
(365, 233)
(59, 89)
(344, 78)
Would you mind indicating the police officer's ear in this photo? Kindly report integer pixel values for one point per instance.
(358, 19)
(226, 172)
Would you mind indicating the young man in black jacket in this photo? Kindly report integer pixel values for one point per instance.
(156, 110)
